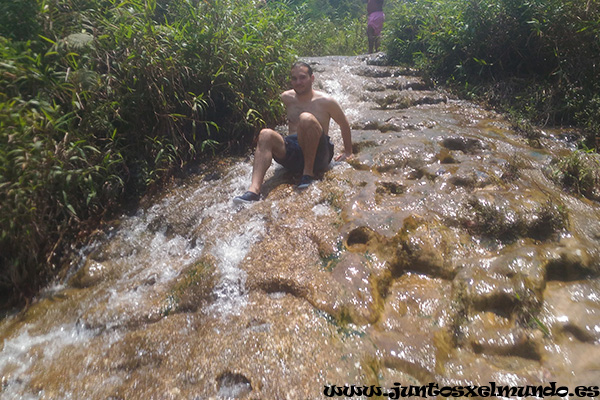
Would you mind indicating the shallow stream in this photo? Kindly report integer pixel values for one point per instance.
(442, 253)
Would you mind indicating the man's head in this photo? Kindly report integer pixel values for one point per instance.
(303, 64)
(302, 77)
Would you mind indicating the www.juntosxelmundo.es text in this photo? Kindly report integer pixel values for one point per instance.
(433, 390)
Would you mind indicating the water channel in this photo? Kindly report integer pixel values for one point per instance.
(444, 252)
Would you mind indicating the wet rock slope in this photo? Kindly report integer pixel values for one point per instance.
(443, 252)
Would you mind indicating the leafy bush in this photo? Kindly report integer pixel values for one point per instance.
(313, 10)
(329, 27)
(111, 97)
(424, 32)
(326, 36)
(18, 19)
(541, 57)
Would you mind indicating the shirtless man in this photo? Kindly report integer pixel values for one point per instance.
(307, 149)
(375, 23)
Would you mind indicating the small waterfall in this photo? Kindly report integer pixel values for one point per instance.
(230, 292)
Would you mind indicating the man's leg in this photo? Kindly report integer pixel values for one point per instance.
(270, 143)
(371, 38)
(309, 134)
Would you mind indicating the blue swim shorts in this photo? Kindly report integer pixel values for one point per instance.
(294, 159)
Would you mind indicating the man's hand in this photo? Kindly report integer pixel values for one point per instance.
(344, 156)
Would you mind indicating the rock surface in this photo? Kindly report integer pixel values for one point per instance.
(440, 253)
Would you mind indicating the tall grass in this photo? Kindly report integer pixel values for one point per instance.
(330, 36)
(101, 98)
(329, 27)
(540, 58)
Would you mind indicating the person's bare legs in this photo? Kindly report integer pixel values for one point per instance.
(309, 134)
(270, 143)
(371, 38)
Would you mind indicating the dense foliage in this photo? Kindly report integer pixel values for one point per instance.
(538, 58)
(100, 98)
(325, 27)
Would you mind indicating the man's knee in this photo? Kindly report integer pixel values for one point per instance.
(307, 120)
(266, 136)
(270, 141)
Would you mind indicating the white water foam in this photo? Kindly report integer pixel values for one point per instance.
(145, 254)
(343, 95)
(230, 292)
(20, 353)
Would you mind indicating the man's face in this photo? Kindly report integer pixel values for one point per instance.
(301, 80)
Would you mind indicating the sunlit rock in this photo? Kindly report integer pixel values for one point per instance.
(491, 334)
(354, 292)
(90, 274)
(572, 310)
(466, 368)
(413, 333)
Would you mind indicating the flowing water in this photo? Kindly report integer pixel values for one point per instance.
(442, 253)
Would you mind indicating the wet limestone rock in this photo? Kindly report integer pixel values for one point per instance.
(426, 247)
(413, 334)
(352, 294)
(91, 273)
(465, 367)
(494, 335)
(573, 310)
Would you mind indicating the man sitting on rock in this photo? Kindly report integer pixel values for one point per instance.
(308, 148)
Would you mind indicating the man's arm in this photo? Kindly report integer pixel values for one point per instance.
(337, 114)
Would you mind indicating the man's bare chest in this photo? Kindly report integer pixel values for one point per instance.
(316, 109)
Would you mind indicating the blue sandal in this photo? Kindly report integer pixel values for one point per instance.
(305, 182)
(248, 197)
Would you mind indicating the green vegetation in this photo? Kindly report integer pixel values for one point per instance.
(502, 224)
(330, 27)
(326, 36)
(579, 173)
(538, 59)
(100, 99)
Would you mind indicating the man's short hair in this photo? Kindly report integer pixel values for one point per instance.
(303, 64)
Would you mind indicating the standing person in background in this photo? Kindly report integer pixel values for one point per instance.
(374, 23)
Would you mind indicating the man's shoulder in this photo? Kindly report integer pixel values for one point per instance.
(288, 95)
(325, 99)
